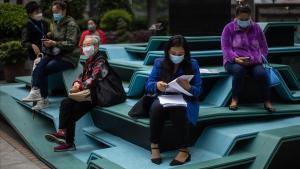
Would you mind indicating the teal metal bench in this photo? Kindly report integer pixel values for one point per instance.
(266, 25)
(156, 41)
(268, 144)
(152, 55)
(55, 81)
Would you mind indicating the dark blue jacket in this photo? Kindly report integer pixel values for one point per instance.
(192, 102)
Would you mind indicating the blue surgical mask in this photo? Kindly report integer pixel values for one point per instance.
(243, 24)
(176, 59)
(57, 17)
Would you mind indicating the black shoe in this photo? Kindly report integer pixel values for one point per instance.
(155, 160)
(270, 109)
(233, 108)
(176, 162)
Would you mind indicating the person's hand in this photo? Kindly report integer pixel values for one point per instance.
(75, 88)
(184, 84)
(36, 49)
(161, 86)
(49, 43)
(242, 61)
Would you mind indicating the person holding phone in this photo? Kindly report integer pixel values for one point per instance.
(177, 62)
(243, 44)
(61, 53)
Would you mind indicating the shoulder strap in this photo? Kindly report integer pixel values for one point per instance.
(37, 28)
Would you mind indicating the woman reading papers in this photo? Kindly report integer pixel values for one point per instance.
(177, 62)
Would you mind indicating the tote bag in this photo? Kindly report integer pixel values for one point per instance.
(272, 73)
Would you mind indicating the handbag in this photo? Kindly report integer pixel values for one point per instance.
(272, 73)
(82, 96)
(142, 107)
(109, 89)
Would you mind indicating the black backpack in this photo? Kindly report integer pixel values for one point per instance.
(109, 90)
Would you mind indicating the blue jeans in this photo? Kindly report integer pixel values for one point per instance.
(46, 67)
(256, 71)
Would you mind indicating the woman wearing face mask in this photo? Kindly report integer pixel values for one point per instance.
(177, 62)
(71, 110)
(92, 31)
(61, 52)
(243, 44)
(35, 30)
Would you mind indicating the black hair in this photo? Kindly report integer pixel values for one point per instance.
(243, 9)
(167, 66)
(31, 7)
(63, 5)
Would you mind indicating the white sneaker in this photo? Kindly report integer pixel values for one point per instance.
(41, 104)
(34, 95)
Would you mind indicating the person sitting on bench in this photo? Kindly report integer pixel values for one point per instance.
(244, 44)
(72, 110)
(61, 53)
(177, 62)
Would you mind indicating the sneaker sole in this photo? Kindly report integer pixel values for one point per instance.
(53, 139)
(69, 149)
(31, 100)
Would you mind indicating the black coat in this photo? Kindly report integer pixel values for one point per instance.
(32, 35)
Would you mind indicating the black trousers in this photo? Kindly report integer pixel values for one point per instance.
(70, 112)
(159, 114)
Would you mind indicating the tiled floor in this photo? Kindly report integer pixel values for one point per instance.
(13, 152)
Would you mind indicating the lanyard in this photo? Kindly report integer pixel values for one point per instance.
(37, 28)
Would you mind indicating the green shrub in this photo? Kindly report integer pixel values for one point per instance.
(12, 52)
(110, 19)
(12, 19)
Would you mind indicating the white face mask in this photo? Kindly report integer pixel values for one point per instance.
(38, 17)
(88, 50)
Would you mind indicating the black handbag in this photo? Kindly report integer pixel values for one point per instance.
(142, 107)
(109, 90)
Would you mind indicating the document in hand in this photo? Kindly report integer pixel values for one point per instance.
(172, 100)
(174, 87)
(210, 71)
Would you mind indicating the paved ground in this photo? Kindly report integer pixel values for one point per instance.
(13, 152)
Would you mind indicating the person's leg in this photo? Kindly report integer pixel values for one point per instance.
(261, 77)
(65, 113)
(38, 71)
(78, 110)
(53, 66)
(180, 122)
(157, 119)
(35, 92)
(238, 72)
(65, 110)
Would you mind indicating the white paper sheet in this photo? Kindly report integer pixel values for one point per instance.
(174, 87)
(209, 71)
(172, 100)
